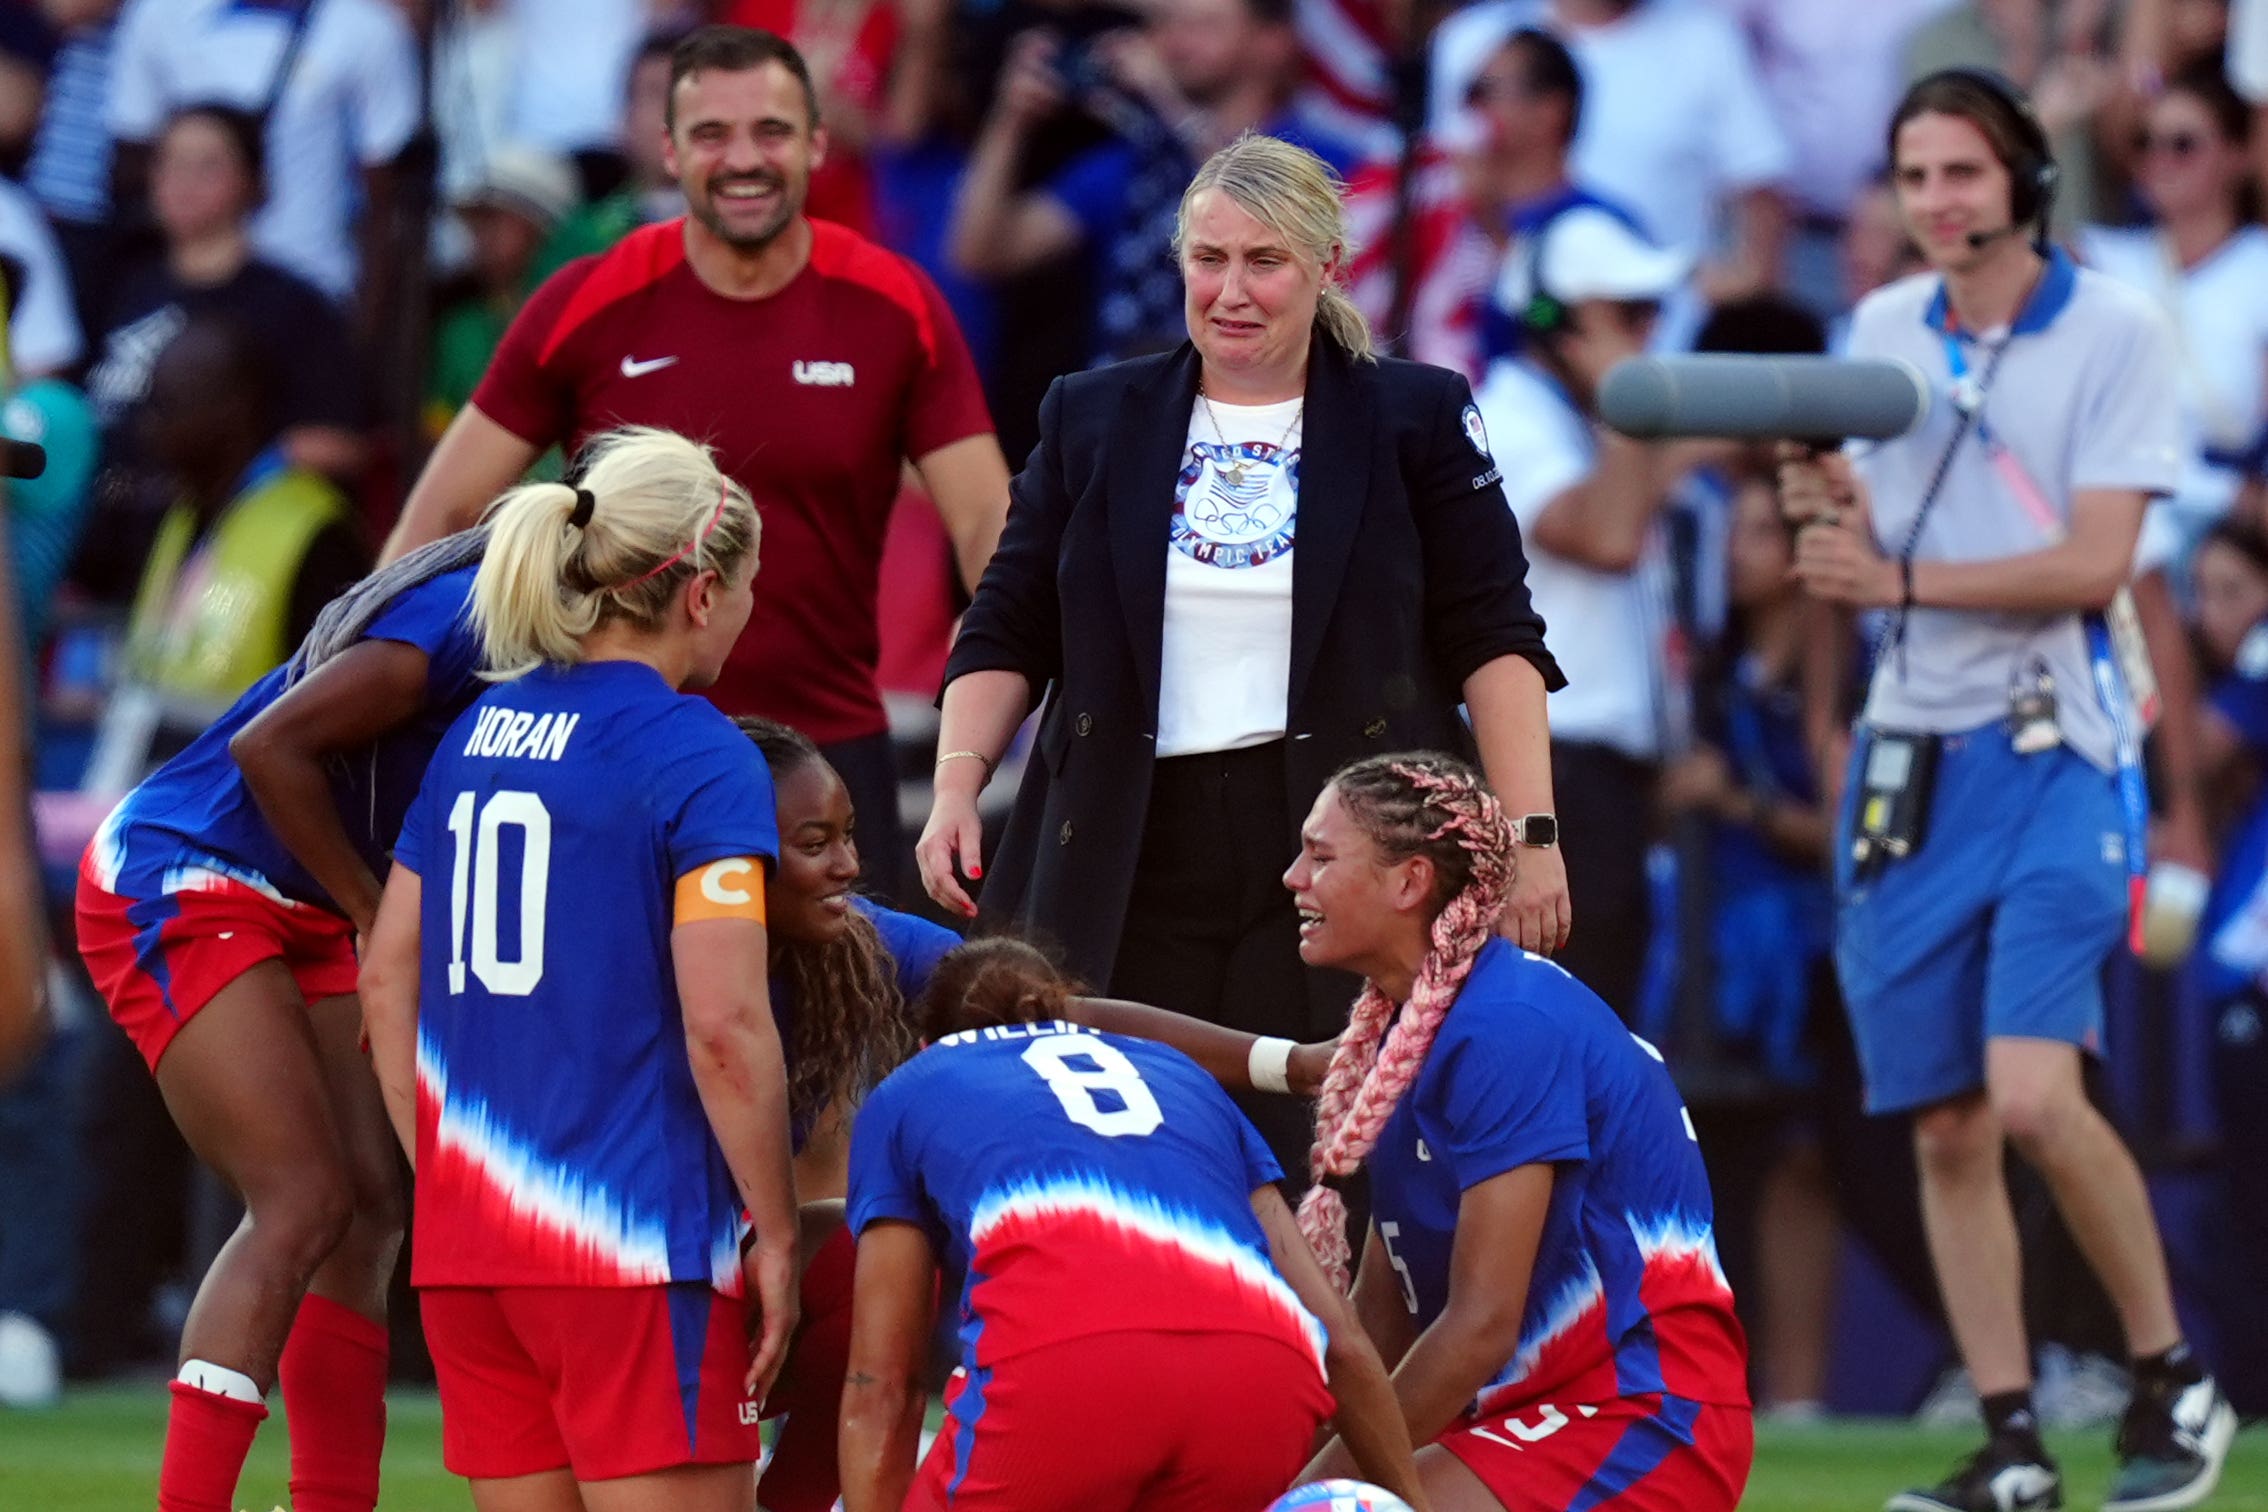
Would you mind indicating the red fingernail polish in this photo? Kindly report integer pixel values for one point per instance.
(975, 872)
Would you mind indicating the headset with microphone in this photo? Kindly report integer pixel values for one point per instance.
(2032, 175)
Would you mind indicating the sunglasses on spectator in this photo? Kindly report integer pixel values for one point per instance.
(2179, 144)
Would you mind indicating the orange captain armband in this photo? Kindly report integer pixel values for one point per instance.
(728, 889)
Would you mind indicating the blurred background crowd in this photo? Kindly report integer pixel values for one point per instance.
(259, 252)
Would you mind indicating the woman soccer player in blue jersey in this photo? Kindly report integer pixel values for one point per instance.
(218, 907)
(844, 970)
(1540, 1268)
(1141, 1323)
(571, 1023)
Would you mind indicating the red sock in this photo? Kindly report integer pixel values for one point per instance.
(207, 1436)
(334, 1395)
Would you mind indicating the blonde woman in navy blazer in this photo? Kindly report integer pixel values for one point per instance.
(1230, 569)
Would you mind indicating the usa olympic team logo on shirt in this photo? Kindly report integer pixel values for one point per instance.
(1236, 505)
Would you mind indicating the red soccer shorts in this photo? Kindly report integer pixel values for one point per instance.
(1111, 1422)
(606, 1381)
(157, 961)
(1635, 1454)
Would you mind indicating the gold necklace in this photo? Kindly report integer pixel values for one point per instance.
(1234, 472)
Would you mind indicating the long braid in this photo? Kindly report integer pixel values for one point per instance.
(344, 618)
(1408, 805)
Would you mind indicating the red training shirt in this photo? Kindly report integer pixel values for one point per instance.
(811, 398)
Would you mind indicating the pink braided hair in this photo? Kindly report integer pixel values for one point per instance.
(1408, 805)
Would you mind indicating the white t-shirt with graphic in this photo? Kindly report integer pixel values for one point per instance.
(1225, 667)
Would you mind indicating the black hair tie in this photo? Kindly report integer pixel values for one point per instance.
(584, 504)
(1340, 1181)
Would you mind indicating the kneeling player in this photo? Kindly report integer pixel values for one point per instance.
(1141, 1323)
(1540, 1265)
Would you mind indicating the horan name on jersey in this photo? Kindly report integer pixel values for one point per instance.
(520, 733)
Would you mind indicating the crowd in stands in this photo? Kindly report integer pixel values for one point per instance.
(257, 254)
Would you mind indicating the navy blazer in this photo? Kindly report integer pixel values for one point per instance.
(1407, 576)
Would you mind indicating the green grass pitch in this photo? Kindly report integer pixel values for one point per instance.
(99, 1453)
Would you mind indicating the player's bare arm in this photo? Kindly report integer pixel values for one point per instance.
(740, 1073)
(362, 693)
(1499, 1224)
(883, 1394)
(1226, 1054)
(1369, 1419)
(968, 481)
(476, 460)
(388, 987)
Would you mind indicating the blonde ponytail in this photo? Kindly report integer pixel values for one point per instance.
(658, 512)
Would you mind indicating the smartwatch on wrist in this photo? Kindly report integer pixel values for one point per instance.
(1537, 830)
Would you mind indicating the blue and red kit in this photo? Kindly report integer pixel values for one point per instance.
(185, 886)
(566, 1171)
(1631, 1369)
(1090, 1199)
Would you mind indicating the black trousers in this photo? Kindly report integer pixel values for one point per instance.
(1210, 929)
(869, 769)
(1605, 802)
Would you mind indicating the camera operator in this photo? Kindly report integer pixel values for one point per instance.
(1993, 818)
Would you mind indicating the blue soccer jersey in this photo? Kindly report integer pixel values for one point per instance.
(1626, 1297)
(193, 822)
(1074, 1183)
(561, 1140)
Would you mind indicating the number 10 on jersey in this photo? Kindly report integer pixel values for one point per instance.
(473, 878)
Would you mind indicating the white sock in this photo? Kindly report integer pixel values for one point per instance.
(219, 1380)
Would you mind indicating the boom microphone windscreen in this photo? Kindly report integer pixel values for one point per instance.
(1750, 397)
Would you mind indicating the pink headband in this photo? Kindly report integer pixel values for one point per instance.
(724, 496)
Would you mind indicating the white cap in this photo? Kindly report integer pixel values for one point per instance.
(1590, 253)
(525, 180)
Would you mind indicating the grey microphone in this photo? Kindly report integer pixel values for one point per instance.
(1761, 398)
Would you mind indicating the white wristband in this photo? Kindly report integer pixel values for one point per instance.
(1268, 1064)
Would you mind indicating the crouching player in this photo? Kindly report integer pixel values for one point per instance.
(1540, 1267)
(1141, 1323)
(570, 1024)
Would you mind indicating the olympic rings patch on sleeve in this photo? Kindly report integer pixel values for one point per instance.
(728, 889)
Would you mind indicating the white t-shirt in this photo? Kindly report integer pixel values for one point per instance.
(1675, 121)
(1606, 628)
(43, 328)
(2083, 400)
(1224, 670)
(352, 103)
(2218, 312)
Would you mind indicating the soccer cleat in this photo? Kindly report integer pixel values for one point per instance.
(2000, 1477)
(2170, 1450)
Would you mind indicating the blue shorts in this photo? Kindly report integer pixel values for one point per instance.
(1997, 926)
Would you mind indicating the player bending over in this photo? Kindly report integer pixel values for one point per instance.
(218, 907)
(1141, 1324)
(571, 1024)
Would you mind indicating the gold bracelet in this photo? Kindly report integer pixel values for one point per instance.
(974, 755)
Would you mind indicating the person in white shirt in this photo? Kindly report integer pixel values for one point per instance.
(336, 80)
(1586, 289)
(2206, 265)
(43, 327)
(1675, 123)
